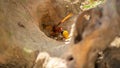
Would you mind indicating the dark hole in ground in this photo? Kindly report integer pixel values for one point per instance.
(55, 29)
(21, 25)
(70, 58)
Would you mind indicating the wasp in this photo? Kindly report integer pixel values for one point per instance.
(57, 30)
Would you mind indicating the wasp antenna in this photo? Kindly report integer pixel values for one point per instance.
(67, 17)
(64, 19)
